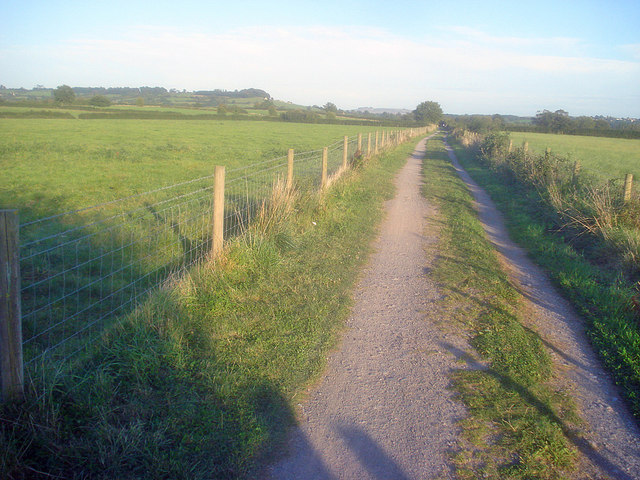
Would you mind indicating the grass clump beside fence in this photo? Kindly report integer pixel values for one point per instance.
(202, 378)
(600, 284)
(519, 424)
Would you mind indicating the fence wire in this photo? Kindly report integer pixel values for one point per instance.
(83, 268)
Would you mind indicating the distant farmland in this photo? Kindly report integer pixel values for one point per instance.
(605, 157)
(51, 166)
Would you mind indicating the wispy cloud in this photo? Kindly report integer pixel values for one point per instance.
(351, 66)
(632, 49)
(555, 44)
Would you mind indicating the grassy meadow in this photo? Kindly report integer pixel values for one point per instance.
(52, 166)
(83, 269)
(607, 158)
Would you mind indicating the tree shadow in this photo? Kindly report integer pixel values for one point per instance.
(372, 457)
(508, 383)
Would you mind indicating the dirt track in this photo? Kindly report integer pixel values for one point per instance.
(383, 410)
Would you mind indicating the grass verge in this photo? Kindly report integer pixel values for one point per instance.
(201, 380)
(520, 423)
(601, 295)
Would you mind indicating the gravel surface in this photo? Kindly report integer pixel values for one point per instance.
(610, 442)
(383, 410)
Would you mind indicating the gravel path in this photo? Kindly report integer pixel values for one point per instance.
(610, 443)
(383, 410)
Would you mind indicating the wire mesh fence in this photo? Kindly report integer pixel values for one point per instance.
(81, 269)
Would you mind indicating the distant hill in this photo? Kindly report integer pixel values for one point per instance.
(380, 111)
(150, 95)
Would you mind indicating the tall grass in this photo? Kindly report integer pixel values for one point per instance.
(586, 208)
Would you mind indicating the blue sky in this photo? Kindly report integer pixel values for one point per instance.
(470, 56)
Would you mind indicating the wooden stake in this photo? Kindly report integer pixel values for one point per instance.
(11, 361)
(345, 151)
(218, 211)
(576, 171)
(628, 185)
(323, 179)
(290, 169)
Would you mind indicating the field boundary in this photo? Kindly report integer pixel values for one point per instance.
(80, 269)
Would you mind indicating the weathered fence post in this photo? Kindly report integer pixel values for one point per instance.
(359, 144)
(525, 147)
(510, 145)
(369, 145)
(576, 171)
(323, 179)
(345, 151)
(290, 169)
(218, 211)
(11, 364)
(375, 151)
(628, 185)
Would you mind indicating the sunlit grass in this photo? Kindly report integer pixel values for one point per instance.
(605, 157)
(51, 166)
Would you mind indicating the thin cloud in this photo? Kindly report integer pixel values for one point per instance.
(350, 66)
(510, 42)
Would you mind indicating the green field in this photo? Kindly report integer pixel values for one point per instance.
(104, 258)
(604, 157)
(52, 166)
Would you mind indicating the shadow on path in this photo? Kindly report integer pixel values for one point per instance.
(371, 456)
(509, 384)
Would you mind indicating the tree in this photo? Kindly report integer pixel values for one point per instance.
(64, 95)
(555, 122)
(99, 101)
(428, 112)
(272, 111)
(330, 107)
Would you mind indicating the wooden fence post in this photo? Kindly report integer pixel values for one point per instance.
(345, 151)
(628, 185)
(576, 171)
(290, 169)
(360, 143)
(218, 211)
(11, 362)
(323, 178)
(369, 145)
(375, 151)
